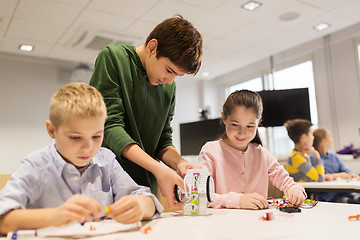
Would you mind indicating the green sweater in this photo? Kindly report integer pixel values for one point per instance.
(138, 112)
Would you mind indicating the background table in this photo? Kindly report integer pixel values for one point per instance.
(332, 186)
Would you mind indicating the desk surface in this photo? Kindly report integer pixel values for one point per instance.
(324, 221)
(336, 185)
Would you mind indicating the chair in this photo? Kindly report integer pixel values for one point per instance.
(274, 192)
(3, 179)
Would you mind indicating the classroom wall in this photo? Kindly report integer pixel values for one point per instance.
(27, 85)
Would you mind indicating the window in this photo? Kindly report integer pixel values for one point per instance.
(252, 84)
(296, 76)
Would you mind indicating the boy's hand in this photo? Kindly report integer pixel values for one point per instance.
(329, 177)
(295, 196)
(167, 178)
(132, 208)
(183, 166)
(344, 175)
(253, 201)
(313, 152)
(354, 175)
(78, 208)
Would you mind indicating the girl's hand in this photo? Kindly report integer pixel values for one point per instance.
(167, 178)
(253, 201)
(183, 166)
(132, 208)
(78, 208)
(295, 196)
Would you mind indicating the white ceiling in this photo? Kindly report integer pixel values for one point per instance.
(233, 37)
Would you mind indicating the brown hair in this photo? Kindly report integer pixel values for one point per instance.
(296, 128)
(247, 99)
(76, 100)
(319, 135)
(179, 41)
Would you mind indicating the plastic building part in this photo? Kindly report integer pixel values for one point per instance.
(354, 218)
(147, 229)
(268, 216)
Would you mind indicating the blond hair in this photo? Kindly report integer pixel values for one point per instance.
(76, 100)
(319, 135)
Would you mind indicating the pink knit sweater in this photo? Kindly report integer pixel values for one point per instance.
(236, 172)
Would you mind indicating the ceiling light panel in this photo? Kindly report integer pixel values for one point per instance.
(251, 6)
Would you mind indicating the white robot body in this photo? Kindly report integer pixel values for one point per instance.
(201, 190)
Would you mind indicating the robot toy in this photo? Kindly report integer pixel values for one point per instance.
(200, 190)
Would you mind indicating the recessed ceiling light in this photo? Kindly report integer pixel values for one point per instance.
(26, 47)
(251, 6)
(321, 26)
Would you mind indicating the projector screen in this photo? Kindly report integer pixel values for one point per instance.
(194, 135)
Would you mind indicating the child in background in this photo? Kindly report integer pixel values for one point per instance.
(73, 179)
(299, 164)
(239, 164)
(334, 168)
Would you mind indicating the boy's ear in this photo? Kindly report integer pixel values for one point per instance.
(50, 128)
(302, 137)
(151, 46)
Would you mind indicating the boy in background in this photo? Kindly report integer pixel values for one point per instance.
(334, 168)
(73, 179)
(299, 164)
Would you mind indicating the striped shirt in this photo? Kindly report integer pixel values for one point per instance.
(300, 168)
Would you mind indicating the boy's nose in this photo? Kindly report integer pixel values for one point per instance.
(87, 145)
(169, 82)
(169, 79)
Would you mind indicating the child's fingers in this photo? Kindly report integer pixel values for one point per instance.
(130, 216)
(260, 203)
(124, 204)
(93, 208)
(127, 210)
(85, 206)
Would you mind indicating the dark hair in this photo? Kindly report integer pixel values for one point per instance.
(247, 99)
(179, 41)
(296, 128)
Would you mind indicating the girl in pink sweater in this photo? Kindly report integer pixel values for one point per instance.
(239, 164)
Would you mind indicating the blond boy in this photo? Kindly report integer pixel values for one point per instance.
(73, 179)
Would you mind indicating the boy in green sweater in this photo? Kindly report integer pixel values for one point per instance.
(138, 87)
